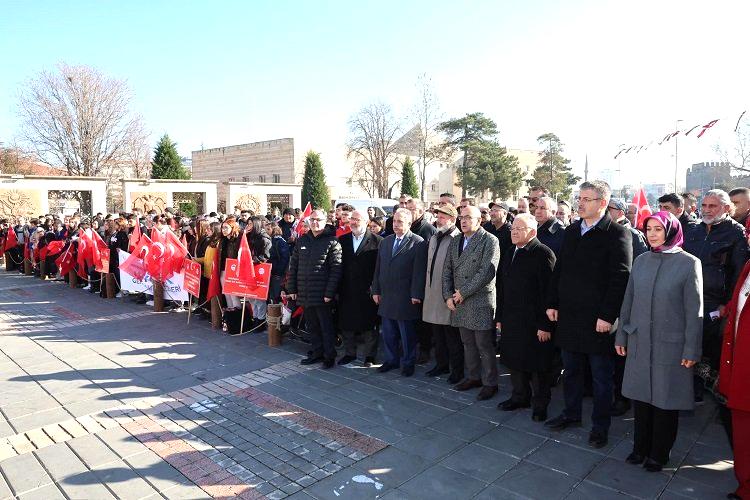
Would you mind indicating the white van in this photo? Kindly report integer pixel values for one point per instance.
(383, 206)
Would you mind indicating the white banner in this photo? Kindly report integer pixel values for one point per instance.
(173, 288)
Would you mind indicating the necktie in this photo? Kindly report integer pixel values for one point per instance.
(397, 245)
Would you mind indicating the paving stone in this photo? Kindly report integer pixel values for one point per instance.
(92, 451)
(442, 482)
(24, 473)
(60, 461)
(21, 443)
(479, 462)
(123, 480)
(511, 441)
(565, 458)
(536, 482)
(47, 492)
(632, 480)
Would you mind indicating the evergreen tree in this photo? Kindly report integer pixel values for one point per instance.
(167, 163)
(408, 179)
(553, 171)
(314, 188)
(492, 170)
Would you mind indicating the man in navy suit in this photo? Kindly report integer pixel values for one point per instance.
(398, 289)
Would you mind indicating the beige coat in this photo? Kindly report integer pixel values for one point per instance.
(435, 311)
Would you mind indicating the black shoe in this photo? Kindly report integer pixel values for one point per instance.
(454, 378)
(386, 367)
(635, 459)
(487, 392)
(733, 496)
(510, 405)
(347, 359)
(437, 371)
(562, 422)
(652, 465)
(423, 358)
(698, 399)
(620, 407)
(369, 361)
(328, 363)
(310, 360)
(598, 439)
(407, 371)
(539, 415)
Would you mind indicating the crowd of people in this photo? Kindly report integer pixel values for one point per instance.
(640, 312)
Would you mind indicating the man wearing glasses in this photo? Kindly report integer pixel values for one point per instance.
(535, 193)
(313, 280)
(585, 295)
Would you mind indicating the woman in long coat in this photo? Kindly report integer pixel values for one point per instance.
(661, 332)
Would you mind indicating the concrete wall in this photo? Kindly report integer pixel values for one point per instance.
(164, 189)
(19, 192)
(256, 197)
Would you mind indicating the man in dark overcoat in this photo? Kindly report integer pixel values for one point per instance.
(525, 330)
(357, 313)
(585, 295)
(398, 289)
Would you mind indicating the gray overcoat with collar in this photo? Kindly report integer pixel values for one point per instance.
(472, 272)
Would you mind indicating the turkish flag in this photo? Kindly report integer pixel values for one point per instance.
(158, 254)
(54, 247)
(644, 210)
(300, 229)
(12, 240)
(97, 245)
(245, 269)
(135, 237)
(214, 284)
(342, 230)
(177, 252)
(134, 264)
(65, 262)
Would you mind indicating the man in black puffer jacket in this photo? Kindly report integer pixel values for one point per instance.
(313, 279)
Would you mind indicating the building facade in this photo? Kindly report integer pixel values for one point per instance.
(258, 162)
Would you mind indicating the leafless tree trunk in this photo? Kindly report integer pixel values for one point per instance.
(428, 115)
(77, 118)
(137, 154)
(373, 133)
(739, 156)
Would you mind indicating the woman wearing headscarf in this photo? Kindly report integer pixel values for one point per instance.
(260, 246)
(734, 378)
(661, 331)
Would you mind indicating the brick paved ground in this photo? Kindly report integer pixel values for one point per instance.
(106, 399)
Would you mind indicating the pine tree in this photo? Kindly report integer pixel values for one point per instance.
(408, 179)
(314, 188)
(167, 163)
(553, 172)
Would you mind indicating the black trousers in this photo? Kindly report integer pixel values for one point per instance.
(319, 322)
(533, 388)
(655, 431)
(424, 337)
(449, 350)
(619, 376)
(369, 342)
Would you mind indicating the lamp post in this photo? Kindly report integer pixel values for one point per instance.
(677, 127)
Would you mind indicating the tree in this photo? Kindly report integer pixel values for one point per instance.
(137, 155)
(428, 115)
(467, 135)
(167, 163)
(314, 188)
(739, 156)
(408, 179)
(492, 170)
(77, 118)
(553, 171)
(372, 145)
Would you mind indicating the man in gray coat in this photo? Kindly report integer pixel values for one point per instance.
(449, 353)
(469, 291)
(398, 289)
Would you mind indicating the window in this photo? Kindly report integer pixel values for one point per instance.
(276, 178)
(261, 178)
(246, 178)
(231, 179)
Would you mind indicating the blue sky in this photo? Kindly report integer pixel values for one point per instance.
(598, 73)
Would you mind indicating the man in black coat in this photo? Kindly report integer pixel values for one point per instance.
(585, 295)
(675, 204)
(398, 289)
(313, 280)
(719, 242)
(550, 231)
(499, 226)
(425, 230)
(357, 313)
(525, 330)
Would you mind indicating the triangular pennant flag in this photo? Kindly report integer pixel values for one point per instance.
(214, 284)
(245, 269)
(300, 229)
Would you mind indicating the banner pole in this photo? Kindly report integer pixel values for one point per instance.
(190, 306)
(242, 318)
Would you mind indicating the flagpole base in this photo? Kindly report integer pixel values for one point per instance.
(273, 319)
(27, 267)
(215, 313)
(42, 270)
(8, 263)
(158, 296)
(111, 286)
(73, 279)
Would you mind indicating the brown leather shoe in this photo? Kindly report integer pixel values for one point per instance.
(487, 392)
(468, 384)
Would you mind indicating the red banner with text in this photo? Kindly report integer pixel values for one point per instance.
(192, 281)
(258, 289)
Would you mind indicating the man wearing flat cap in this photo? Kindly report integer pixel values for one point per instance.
(449, 351)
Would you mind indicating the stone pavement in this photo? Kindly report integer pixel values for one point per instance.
(106, 399)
